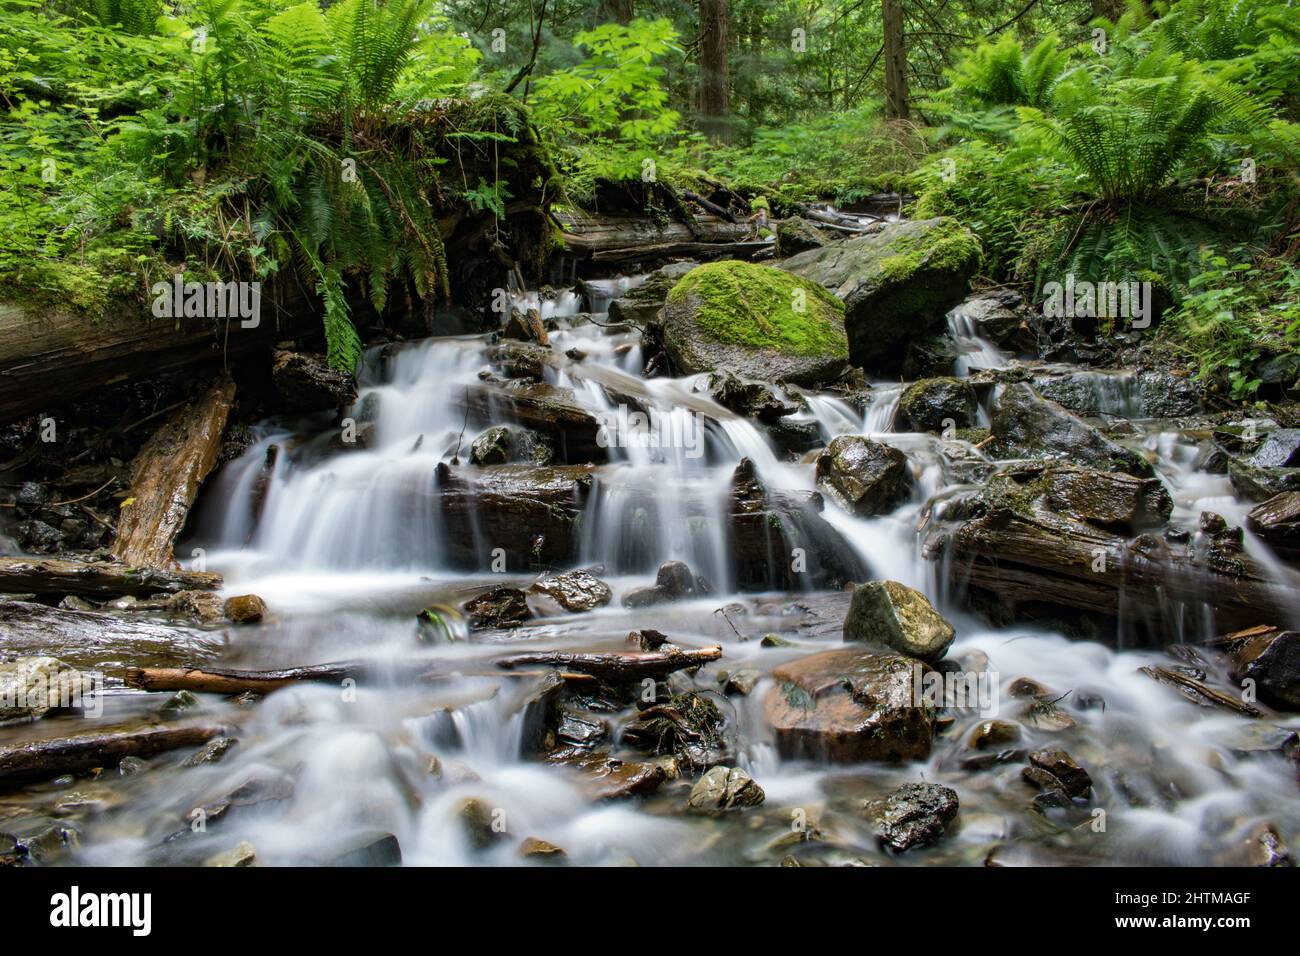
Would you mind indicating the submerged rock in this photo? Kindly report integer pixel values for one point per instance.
(866, 477)
(534, 849)
(673, 582)
(575, 590)
(725, 788)
(751, 399)
(935, 405)
(503, 444)
(847, 706)
(889, 613)
(1074, 779)
(916, 814)
(1027, 424)
(896, 285)
(756, 321)
(640, 304)
(499, 607)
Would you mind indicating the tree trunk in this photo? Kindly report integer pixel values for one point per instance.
(614, 11)
(896, 106)
(23, 763)
(104, 580)
(619, 667)
(166, 475)
(715, 95)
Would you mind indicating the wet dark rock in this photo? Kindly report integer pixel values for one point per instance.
(203, 607)
(889, 613)
(306, 383)
(515, 359)
(1272, 660)
(864, 476)
(214, 751)
(1279, 449)
(725, 788)
(989, 760)
(1024, 423)
(31, 495)
(1003, 319)
(930, 356)
(847, 706)
(572, 430)
(794, 437)
(381, 849)
(40, 538)
(525, 327)
(1277, 521)
(796, 234)
(1210, 458)
(1112, 501)
(575, 590)
(483, 827)
(503, 444)
(1074, 779)
(988, 734)
(935, 405)
(611, 778)
(896, 285)
(539, 706)
(244, 608)
(916, 814)
(673, 582)
(579, 730)
(1163, 393)
(499, 607)
(754, 400)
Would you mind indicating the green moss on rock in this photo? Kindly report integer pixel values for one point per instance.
(760, 307)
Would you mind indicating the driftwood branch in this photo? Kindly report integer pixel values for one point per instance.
(23, 763)
(224, 681)
(619, 666)
(97, 579)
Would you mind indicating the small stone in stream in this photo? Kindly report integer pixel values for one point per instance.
(751, 399)
(48, 843)
(211, 752)
(130, 766)
(1046, 716)
(1044, 780)
(865, 477)
(125, 603)
(481, 826)
(1063, 767)
(73, 603)
(244, 854)
(610, 778)
(180, 701)
(1262, 846)
(742, 682)
(915, 814)
(575, 590)
(1255, 738)
(1027, 687)
(205, 607)
(993, 733)
(535, 849)
(936, 405)
(525, 327)
(503, 444)
(986, 761)
(244, 608)
(499, 607)
(580, 731)
(725, 788)
(39, 537)
(774, 640)
(1272, 661)
(889, 613)
(648, 639)
(848, 706)
(30, 687)
(1277, 521)
(31, 494)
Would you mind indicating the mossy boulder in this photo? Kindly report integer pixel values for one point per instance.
(755, 321)
(896, 284)
(932, 404)
(1027, 425)
(889, 613)
(864, 477)
(796, 235)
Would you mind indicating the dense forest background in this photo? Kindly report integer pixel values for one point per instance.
(328, 140)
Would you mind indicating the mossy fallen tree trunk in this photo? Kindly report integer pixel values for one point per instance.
(166, 475)
(619, 240)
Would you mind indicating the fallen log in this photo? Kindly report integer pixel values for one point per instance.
(1198, 693)
(90, 640)
(1024, 559)
(618, 667)
(42, 759)
(104, 580)
(230, 682)
(166, 475)
(640, 238)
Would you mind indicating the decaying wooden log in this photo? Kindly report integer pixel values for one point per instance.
(619, 667)
(90, 640)
(626, 239)
(41, 759)
(1197, 692)
(166, 475)
(1046, 559)
(224, 681)
(97, 579)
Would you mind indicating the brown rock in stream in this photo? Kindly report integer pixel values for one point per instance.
(866, 477)
(849, 705)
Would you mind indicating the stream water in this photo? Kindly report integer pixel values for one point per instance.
(346, 546)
